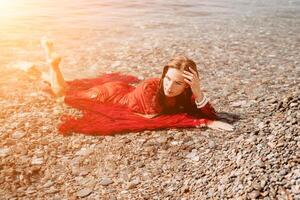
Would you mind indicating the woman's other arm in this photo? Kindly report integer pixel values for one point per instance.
(206, 109)
(202, 104)
(209, 111)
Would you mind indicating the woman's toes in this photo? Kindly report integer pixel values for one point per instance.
(47, 44)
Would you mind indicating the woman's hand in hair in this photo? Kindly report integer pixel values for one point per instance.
(192, 79)
(218, 125)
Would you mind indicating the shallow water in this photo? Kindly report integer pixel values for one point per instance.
(92, 32)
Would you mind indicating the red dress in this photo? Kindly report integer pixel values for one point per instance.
(109, 104)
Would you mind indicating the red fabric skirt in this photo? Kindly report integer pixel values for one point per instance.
(108, 117)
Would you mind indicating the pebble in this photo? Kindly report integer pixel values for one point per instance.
(37, 161)
(52, 190)
(18, 135)
(254, 194)
(239, 103)
(256, 186)
(193, 155)
(259, 163)
(84, 172)
(105, 181)
(84, 152)
(263, 183)
(296, 189)
(48, 184)
(252, 139)
(261, 125)
(84, 192)
(4, 152)
(271, 145)
(211, 144)
(132, 184)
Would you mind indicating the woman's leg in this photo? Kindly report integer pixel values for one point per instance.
(57, 82)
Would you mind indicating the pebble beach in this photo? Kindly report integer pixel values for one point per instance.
(248, 58)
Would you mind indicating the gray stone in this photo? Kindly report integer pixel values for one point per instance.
(106, 181)
(193, 155)
(239, 103)
(84, 152)
(4, 152)
(133, 184)
(84, 192)
(211, 144)
(37, 161)
(254, 194)
(18, 135)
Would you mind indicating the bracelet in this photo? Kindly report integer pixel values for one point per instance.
(202, 103)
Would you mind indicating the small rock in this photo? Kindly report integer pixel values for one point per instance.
(84, 152)
(263, 183)
(265, 193)
(37, 161)
(4, 152)
(259, 163)
(174, 143)
(52, 190)
(133, 184)
(281, 144)
(272, 192)
(252, 139)
(296, 189)
(48, 184)
(283, 172)
(116, 64)
(239, 103)
(211, 144)
(84, 172)
(193, 155)
(30, 191)
(271, 145)
(254, 194)
(18, 135)
(106, 181)
(84, 192)
(256, 186)
(261, 125)
(87, 181)
(56, 111)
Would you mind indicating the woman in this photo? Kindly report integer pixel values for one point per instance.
(177, 94)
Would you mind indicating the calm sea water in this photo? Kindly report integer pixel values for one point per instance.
(46, 14)
(75, 22)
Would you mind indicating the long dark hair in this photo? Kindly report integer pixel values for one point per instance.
(183, 101)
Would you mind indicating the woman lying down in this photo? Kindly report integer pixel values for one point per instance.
(111, 104)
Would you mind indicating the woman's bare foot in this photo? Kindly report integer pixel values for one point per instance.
(47, 45)
(58, 84)
(52, 58)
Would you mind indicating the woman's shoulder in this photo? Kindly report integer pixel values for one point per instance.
(143, 98)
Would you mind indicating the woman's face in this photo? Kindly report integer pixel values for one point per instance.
(174, 83)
